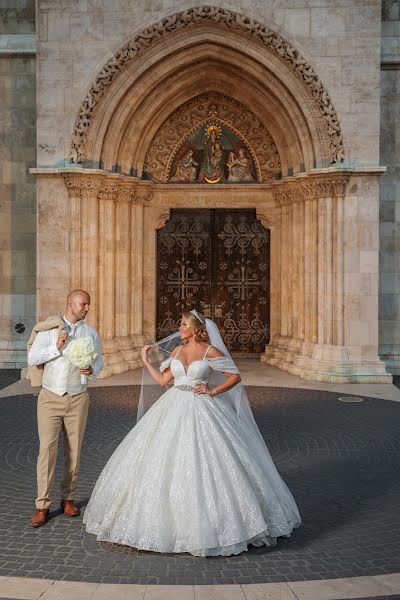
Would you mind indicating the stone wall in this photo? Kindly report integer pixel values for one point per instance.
(389, 305)
(17, 186)
(338, 41)
(341, 40)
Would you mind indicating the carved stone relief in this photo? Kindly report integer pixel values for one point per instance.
(226, 19)
(212, 139)
(86, 187)
(319, 188)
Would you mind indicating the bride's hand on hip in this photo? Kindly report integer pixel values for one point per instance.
(202, 388)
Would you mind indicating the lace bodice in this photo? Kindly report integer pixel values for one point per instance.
(197, 372)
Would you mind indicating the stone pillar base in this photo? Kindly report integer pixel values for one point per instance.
(392, 362)
(121, 354)
(330, 364)
(12, 358)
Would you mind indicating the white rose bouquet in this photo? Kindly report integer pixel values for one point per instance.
(81, 352)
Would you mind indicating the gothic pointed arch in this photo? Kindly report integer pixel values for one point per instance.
(239, 55)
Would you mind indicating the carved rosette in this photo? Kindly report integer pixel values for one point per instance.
(221, 18)
(212, 107)
(85, 187)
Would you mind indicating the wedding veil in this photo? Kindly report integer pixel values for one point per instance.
(160, 355)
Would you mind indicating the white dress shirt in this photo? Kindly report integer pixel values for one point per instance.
(59, 376)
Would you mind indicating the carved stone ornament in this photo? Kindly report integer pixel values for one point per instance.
(223, 18)
(319, 188)
(217, 111)
(84, 187)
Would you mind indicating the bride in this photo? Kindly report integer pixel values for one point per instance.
(194, 474)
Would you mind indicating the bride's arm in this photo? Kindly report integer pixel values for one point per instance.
(162, 379)
(232, 379)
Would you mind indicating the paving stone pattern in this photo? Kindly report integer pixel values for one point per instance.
(392, 597)
(7, 377)
(342, 462)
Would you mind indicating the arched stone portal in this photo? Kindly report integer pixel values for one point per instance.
(129, 137)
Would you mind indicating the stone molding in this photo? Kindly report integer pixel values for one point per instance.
(226, 19)
(93, 187)
(162, 219)
(268, 221)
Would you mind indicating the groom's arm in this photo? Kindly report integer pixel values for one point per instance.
(44, 348)
(98, 363)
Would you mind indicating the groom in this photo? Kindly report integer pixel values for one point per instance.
(63, 401)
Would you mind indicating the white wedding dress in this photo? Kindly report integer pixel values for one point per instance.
(191, 477)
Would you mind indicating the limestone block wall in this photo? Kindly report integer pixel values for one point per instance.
(17, 186)
(389, 297)
(341, 39)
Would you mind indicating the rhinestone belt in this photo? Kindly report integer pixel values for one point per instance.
(185, 388)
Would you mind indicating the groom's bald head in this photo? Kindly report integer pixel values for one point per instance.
(78, 303)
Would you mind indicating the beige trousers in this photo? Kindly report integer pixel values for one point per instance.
(54, 412)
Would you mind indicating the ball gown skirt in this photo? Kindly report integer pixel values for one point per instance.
(191, 476)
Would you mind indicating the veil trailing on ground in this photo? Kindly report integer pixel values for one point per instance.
(160, 357)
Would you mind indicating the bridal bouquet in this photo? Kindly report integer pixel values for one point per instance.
(81, 352)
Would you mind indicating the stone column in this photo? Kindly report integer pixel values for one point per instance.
(139, 202)
(106, 268)
(301, 271)
(106, 259)
(136, 263)
(84, 239)
(333, 337)
(338, 266)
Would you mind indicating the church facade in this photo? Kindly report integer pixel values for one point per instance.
(237, 158)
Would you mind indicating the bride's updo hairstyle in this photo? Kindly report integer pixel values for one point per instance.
(198, 326)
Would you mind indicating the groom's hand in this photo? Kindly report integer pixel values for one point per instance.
(62, 338)
(87, 371)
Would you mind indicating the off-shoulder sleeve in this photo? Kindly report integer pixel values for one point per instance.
(165, 364)
(223, 364)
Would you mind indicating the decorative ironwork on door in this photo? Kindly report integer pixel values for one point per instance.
(218, 262)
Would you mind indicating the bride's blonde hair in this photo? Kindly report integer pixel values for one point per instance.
(199, 328)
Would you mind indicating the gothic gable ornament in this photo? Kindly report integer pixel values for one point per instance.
(212, 139)
(222, 18)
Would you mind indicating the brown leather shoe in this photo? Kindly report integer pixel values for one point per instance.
(69, 508)
(40, 517)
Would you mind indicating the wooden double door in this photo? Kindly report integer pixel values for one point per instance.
(216, 261)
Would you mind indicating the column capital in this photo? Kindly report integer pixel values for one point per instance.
(82, 187)
(108, 186)
(310, 187)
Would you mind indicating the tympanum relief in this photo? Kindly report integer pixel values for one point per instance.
(212, 139)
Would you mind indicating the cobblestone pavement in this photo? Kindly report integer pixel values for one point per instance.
(342, 462)
(7, 377)
(392, 597)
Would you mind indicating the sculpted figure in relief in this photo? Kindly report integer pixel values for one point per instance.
(239, 166)
(212, 168)
(186, 170)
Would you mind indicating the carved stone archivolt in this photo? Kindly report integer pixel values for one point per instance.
(84, 187)
(213, 112)
(222, 18)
